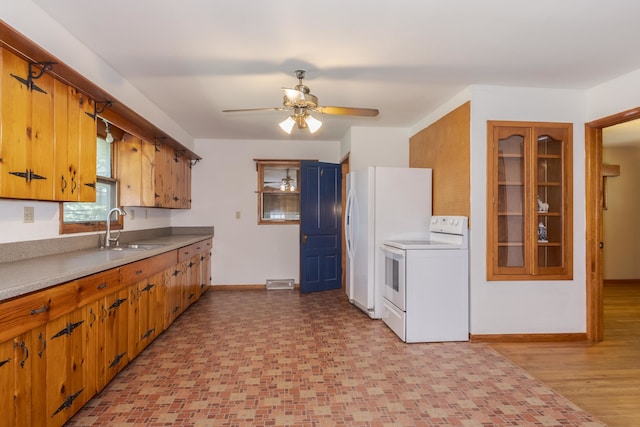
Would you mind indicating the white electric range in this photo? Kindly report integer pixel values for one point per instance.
(426, 285)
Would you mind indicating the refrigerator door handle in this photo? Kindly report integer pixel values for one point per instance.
(347, 224)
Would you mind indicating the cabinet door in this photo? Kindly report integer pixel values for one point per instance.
(66, 369)
(206, 274)
(192, 280)
(173, 294)
(66, 164)
(554, 210)
(509, 201)
(28, 389)
(146, 319)
(95, 315)
(84, 141)
(115, 333)
(7, 382)
(183, 182)
(26, 144)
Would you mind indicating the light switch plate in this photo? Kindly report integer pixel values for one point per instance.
(29, 214)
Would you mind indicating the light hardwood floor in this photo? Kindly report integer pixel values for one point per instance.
(602, 378)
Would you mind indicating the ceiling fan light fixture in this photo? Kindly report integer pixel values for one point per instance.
(312, 123)
(287, 124)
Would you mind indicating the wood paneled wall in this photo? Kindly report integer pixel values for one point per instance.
(444, 146)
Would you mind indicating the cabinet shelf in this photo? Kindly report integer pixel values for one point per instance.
(549, 156)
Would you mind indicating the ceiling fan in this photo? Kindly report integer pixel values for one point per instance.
(301, 101)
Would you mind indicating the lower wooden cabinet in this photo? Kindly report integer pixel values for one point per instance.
(66, 373)
(8, 378)
(146, 312)
(73, 339)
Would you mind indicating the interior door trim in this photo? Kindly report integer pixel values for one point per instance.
(594, 237)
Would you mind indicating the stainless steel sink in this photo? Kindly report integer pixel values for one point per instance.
(132, 247)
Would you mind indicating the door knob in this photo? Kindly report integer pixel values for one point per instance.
(304, 238)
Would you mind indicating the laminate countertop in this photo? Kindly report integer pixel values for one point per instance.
(33, 274)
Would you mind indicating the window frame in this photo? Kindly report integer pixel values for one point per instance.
(261, 164)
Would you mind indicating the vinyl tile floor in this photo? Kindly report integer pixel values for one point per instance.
(281, 358)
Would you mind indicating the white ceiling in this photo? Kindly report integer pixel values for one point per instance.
(194, 58)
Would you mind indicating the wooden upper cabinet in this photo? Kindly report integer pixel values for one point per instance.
(26, 124)
(135, 171)
(152, 175)
(48, 142)
(529, 201)
(75, 145)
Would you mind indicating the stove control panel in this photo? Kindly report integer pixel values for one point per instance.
(449, 224)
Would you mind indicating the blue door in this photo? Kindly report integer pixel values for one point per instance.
(320, 226)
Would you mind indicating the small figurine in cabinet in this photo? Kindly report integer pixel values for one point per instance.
(542, 233)
(542, 206)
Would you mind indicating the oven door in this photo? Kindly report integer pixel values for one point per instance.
(394, 276)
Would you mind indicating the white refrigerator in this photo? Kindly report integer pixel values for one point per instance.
(383, 203)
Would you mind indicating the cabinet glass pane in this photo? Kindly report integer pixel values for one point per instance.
(510, 198)
(512, 145)
(510, 229)
(549, 256)
(511, 256)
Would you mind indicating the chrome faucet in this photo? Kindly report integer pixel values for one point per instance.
(108, 238)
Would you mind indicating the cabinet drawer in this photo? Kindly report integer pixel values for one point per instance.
(136, 271)
(203, 246)
(27, 312)
(92, 287)
(187, 252)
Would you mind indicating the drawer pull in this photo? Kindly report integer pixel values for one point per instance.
(24, 348)
(93, 317)
(44, 345)
(4, 362)
(138, 271)
(40, 310)
(101, 286)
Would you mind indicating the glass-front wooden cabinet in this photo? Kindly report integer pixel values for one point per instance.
(529, 201)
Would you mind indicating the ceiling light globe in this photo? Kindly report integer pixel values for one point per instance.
(312, 123)
(287, 125)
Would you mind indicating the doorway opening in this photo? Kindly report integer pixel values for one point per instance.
(594, 211)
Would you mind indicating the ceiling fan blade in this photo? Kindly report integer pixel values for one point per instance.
(348, 111)
(255, 109)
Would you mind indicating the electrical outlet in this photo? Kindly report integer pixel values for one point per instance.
(237, 214)
(29, 214)
(146, 213)
(132, 214)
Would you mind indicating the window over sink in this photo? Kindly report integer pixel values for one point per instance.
(278, 191)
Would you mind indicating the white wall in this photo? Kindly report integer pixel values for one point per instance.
(615, 96)
(525, 306)
(376, 146)
(224, 183)
(620, 220)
